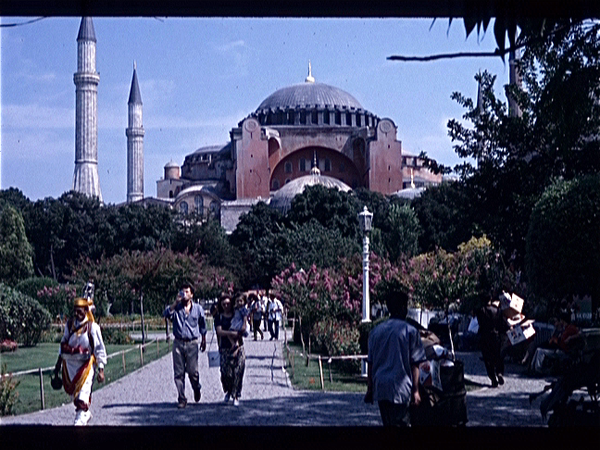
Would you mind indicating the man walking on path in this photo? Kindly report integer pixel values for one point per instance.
(275, 316)
(395, 352)
(188, 325)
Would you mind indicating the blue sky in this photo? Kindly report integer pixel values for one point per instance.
(200, 77)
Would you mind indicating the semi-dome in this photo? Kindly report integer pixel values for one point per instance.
(282, 198)
(309, 95)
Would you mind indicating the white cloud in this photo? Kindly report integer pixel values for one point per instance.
(225, 48)
(37, 116)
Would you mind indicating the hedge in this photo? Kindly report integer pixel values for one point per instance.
(22, 319)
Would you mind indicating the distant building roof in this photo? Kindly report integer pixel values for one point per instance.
(311, 95)
(231, 212)
(210, 149)
(282, 198)
(410, 193)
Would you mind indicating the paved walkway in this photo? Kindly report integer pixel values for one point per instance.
(147, 397)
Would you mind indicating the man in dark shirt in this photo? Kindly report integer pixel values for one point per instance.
(492, 326)
(188, 325)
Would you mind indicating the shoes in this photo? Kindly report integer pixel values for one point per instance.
(271, 338)
(82, 417)
(236, 402)
(197, 395)
(262, 336)
(226, 399)
(182, 404)
(494, 384)
(500, 379)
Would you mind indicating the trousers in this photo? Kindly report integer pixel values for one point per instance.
(185, 360)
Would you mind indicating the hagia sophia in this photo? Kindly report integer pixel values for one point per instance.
(304, 134)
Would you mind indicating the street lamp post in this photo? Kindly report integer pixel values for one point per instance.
(365, 219)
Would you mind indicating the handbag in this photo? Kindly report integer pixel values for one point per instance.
(214, 358)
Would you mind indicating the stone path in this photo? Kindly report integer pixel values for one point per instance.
(147, 397)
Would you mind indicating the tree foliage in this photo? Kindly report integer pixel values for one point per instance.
(563, 242)
(15, 251)
(22, 319)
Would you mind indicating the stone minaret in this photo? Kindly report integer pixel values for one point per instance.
(85, 178)
(135, 143)
(515, 78)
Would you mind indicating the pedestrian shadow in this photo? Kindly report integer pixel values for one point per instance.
(506, 409)
(303, 409)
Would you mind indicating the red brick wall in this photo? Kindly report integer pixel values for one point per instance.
(385, 159)
(252, 163)
(341, 167)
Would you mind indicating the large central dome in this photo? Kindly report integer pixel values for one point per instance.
(309, 95)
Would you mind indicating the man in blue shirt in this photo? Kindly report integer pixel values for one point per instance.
(395, 352)
(189, 324)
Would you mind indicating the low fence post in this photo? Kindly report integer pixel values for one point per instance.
(123, 355)
(141, 355)
(42, 388)
(321, 373)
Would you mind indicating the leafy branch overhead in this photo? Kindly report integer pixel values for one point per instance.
(516, 32)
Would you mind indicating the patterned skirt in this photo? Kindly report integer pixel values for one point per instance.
(232, 370)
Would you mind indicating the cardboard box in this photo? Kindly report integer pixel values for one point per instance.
(515, 320)
(521, 332)
(511, 305)
(429, 374)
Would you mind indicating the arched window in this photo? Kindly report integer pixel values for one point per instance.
(214, 208)
(302, 165)
(327, 165)
(275, 185)
(199, 203)
(342, 167)
(288, 167)
(183, 208)
(287, 180)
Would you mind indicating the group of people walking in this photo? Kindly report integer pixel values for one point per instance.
(82, 354)
(233, 316)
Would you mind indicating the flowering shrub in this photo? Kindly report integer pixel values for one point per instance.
(58, 300)
(22, 319)
(8, 346)
(336, 338)
(324, 300)
(446, 280)
(8, 392)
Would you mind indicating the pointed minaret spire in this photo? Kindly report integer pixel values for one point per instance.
(134, 93)
(309, 78)
(514, 79)
(135, 143)
(479, 97)
(86, 79)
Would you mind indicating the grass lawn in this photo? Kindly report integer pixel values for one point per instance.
(45, 355)
(309, 378)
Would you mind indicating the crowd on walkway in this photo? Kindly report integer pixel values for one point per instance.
(251, 387)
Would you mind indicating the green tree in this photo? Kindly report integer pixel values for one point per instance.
(563, 242)
(403, 236)
(22, 319)
(254, 237)
(332, 208)
(15, 198)
(16, 253)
